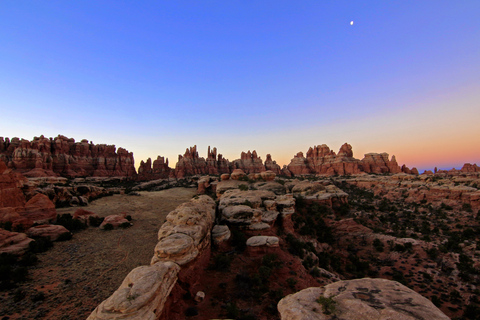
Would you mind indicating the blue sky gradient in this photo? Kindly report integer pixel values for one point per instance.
(156, 77)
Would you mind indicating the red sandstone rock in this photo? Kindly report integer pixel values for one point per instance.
(65, 157)
(13, 242)
(236, 174)
(467, 167)
(40, 209)
(160, 169)
(321, 160)
(53, 232)
(11, 183)
(249, 162)
(115, 220)
(84, 215)
(272, 165)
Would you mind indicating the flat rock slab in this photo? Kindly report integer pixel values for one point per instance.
(260, 241)
(360, 299)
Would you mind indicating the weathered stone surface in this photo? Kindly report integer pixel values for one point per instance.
(263, 241)
(11, 185)
(268, 175)
(366, 298)
(237, 174)
(115, 220)
(39, 210)
(65, 157)
(177, 247)
(220, 233)
(84, 215)
(49, 231)
(142, 294)
(249, 162)
(13, 242)
(187, 231)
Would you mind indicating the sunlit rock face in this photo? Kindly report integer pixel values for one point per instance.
(321, 160)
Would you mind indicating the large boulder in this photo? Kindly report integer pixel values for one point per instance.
(50, 231)
(13, 242)
(360, 299)
(141, 295)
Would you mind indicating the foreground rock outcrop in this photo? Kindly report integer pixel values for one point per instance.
(183, 250)
(65, 157)
(14, 209)
(366, 298)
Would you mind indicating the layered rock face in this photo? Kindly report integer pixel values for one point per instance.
(272, 165)
(160, 169)
(65, 157)
(216, 164)
(13, 206)
(359, 299)
(249, 162)
(191, 164)
(321, 160)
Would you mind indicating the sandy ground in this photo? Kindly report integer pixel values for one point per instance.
(76, 275)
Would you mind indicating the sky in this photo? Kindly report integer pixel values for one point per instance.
(156, 77)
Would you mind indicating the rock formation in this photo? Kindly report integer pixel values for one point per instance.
(160, 169)
(182, 253)
(358, 299)
(249, 162)
(272, 165)
(321, 160)
(65, 157)
(13, 206)
(216, 164)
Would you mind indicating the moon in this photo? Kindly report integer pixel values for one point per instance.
(351, 23)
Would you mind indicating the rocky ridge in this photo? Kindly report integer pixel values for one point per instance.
(65, 157)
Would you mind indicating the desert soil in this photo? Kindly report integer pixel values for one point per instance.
(74, 276)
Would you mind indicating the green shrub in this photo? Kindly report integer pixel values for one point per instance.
(243, 187)
(328, 304)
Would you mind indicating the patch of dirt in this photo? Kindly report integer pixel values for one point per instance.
(73, 277)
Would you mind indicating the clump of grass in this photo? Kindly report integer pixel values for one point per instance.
(329, 305)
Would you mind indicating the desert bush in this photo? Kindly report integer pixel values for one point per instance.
(243, 187)
(71, 224)
(108, 227)
(40, 245)
(125, 225)
(64, 236)
(328, 304)
(95, 221)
